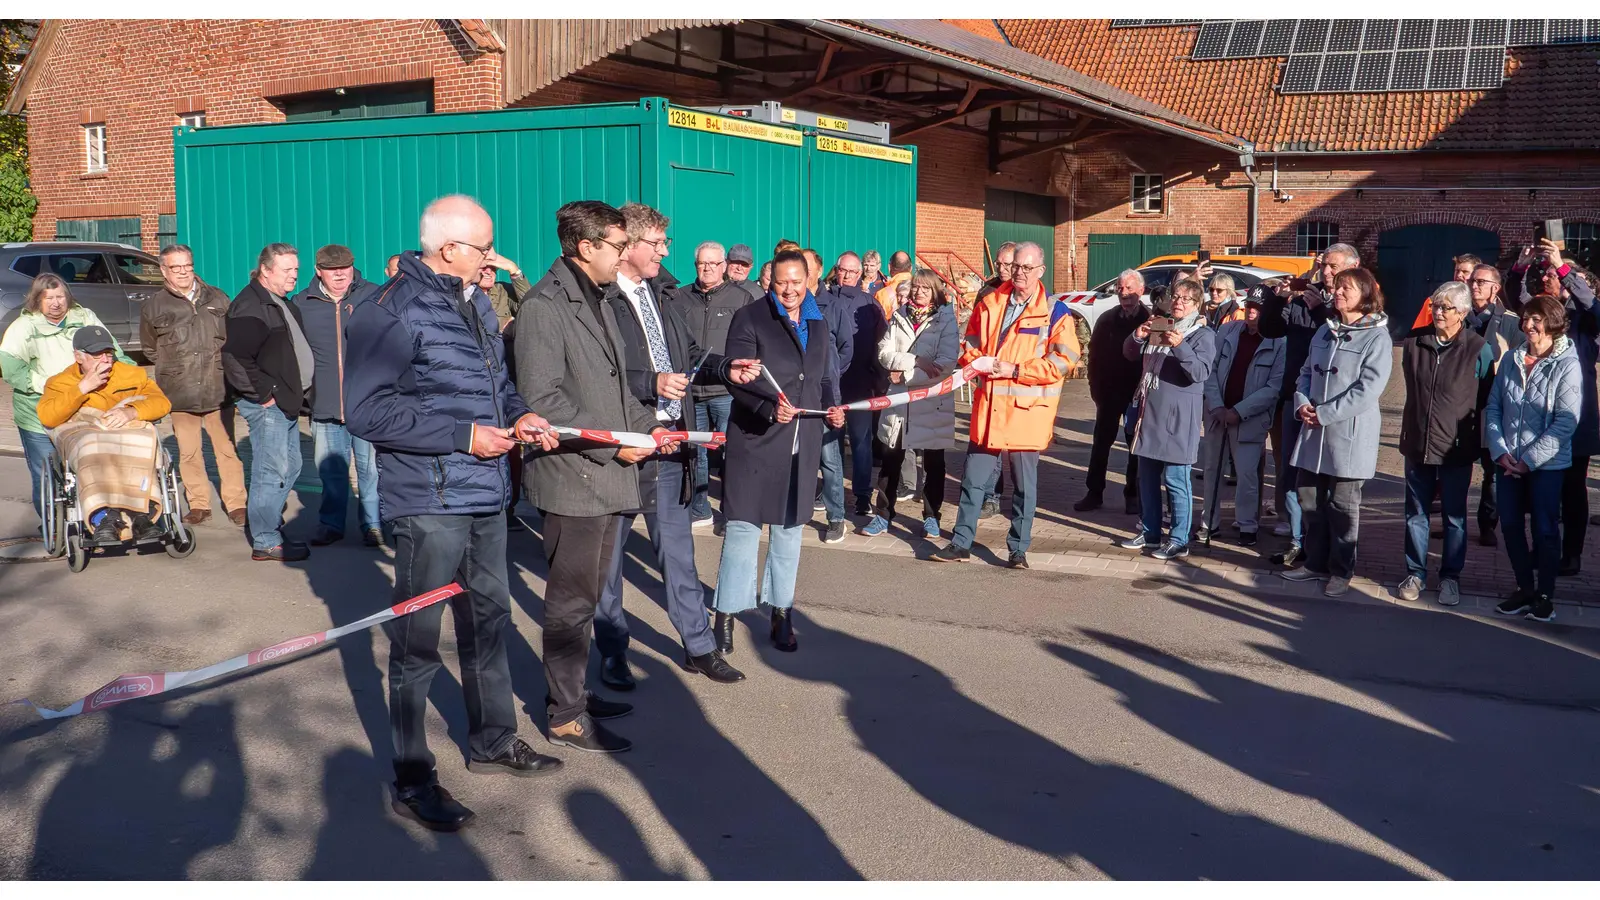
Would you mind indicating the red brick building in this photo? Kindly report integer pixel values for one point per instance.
(1111, 141)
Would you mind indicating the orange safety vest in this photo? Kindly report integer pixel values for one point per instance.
(887, 302)
(1020, 413)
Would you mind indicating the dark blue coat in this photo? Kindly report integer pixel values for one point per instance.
(418, 375)
(858, 325)
(324, 322)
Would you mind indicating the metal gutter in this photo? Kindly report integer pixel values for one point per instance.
(996, 76)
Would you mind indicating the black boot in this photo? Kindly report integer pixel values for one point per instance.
(723, 629)
(783, 630)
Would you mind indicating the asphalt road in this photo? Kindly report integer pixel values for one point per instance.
(958, 722)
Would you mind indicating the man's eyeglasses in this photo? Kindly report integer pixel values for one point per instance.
(620, 247)
(661, 246)
(708, 265)
(1020, 268)
(850, 273)
(484, 250)
(1477, 281)
(177, 270)
(1444, 308)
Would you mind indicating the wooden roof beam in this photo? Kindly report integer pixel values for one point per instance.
(984, 100)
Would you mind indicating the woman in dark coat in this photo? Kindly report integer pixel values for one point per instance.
(773, 455)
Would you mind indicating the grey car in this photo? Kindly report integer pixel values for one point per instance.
(114, 280)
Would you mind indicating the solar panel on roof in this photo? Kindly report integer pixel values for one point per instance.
(1337, 70)
(1486, 68)
(1312, 36)
(1451, 32)
(1410, 70)
(1380, 34)
(1213, 40)
(1526, 32)
(1372, 72)
(1279, 37)
(1447, 70)
(1246, 38)
(1345, 35)
(1488, 33)
(1416, 34)
(1300, 74)
(1565, 31)
(1594, 32)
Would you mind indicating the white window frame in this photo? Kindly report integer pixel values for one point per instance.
(196, 119)
(94, 148)
(1303, 235)
(1148, 186)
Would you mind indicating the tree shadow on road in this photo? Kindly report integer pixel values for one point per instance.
(1470, 762)
(1021, 787)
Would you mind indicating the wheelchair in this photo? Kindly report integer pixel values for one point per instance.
(66, 528)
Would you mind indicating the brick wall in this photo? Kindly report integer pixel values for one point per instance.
(139, 76)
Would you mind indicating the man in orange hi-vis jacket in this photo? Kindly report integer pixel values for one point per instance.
(1034, 344)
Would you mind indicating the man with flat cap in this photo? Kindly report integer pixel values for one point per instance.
(740, 261)
(325, 306)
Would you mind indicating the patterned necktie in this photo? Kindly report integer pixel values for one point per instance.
(658, 347)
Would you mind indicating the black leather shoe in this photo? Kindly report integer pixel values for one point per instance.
(783, 631)
(712, 666)
(1487, 536)
(109, 531)
(951, 553)
(1130, 506)
(615, 674)
(144, 529)
(1088, 503)
(1247, 538)
(326, 536)
(1570, 567)
(1018, 560)
(434, 808)
(601, 708)
(722, 629)
(583, 733)
(519, 759)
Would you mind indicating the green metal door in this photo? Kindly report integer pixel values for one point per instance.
(113, 231)
(710, 217)
(361, 103)
(1015, 216)
(1111, 254)
(862, 197)
(166, 232)
(1414, 260)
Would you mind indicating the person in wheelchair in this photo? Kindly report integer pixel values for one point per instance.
(94, 410)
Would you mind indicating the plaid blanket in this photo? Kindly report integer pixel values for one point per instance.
(116, 467)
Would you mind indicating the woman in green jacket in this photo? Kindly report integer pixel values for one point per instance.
(36, 346)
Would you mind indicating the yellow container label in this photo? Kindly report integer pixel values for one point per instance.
(870, 151)
(760, 131)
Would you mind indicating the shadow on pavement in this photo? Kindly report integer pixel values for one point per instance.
(611, 831)
(1021, 787)
(1478, 770)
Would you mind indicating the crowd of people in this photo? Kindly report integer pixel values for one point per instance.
(448, 412)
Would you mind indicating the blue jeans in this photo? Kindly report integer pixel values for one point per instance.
(833, 473)
(1536, 494)
(1288, 476)
(710, 414)
(862, 424)
(333, 445)
(741, 548)
(1153, 475)
(982, 468)
(275, 462)
(1452, 481)
(36, 449)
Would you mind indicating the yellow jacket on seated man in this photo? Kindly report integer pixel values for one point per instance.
(114, 454)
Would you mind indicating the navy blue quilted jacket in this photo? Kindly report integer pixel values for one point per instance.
(418, 374)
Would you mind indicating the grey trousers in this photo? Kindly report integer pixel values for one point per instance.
(1331, 511)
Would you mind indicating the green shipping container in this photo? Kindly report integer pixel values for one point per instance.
(363, 183)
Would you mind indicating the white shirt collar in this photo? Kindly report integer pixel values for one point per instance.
(629, 287)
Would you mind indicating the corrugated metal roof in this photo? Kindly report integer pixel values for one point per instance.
(938, 35)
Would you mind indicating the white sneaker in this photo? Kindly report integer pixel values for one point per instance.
(1281, 529)
(1449, 592)
(1411, 588)
(1301, 574)
(1337, 586)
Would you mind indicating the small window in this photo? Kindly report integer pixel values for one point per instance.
(1147, 193)
(27, 265)
(1315, 237)
(193, 120)
(1583, 243)
(80, 268)
(94, 148)
(1232, 251)
(137, 269)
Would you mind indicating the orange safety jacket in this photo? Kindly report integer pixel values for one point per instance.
(887, 301)
(1020, 413)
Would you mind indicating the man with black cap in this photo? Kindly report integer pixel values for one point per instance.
(740, 261)
(1240, 397)
(325, 306)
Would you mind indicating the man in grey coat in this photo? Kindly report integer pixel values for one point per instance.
(573, 366)
(1176, 353)
(1239, 397)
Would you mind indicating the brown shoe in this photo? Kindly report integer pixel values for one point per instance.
(197, 517)
(238, 516)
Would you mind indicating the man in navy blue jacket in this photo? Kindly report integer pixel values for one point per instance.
(426, 384)
(858, 325)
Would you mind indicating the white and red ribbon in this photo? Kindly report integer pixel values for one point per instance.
(639, 440)
(140, 685)
(980, 366)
